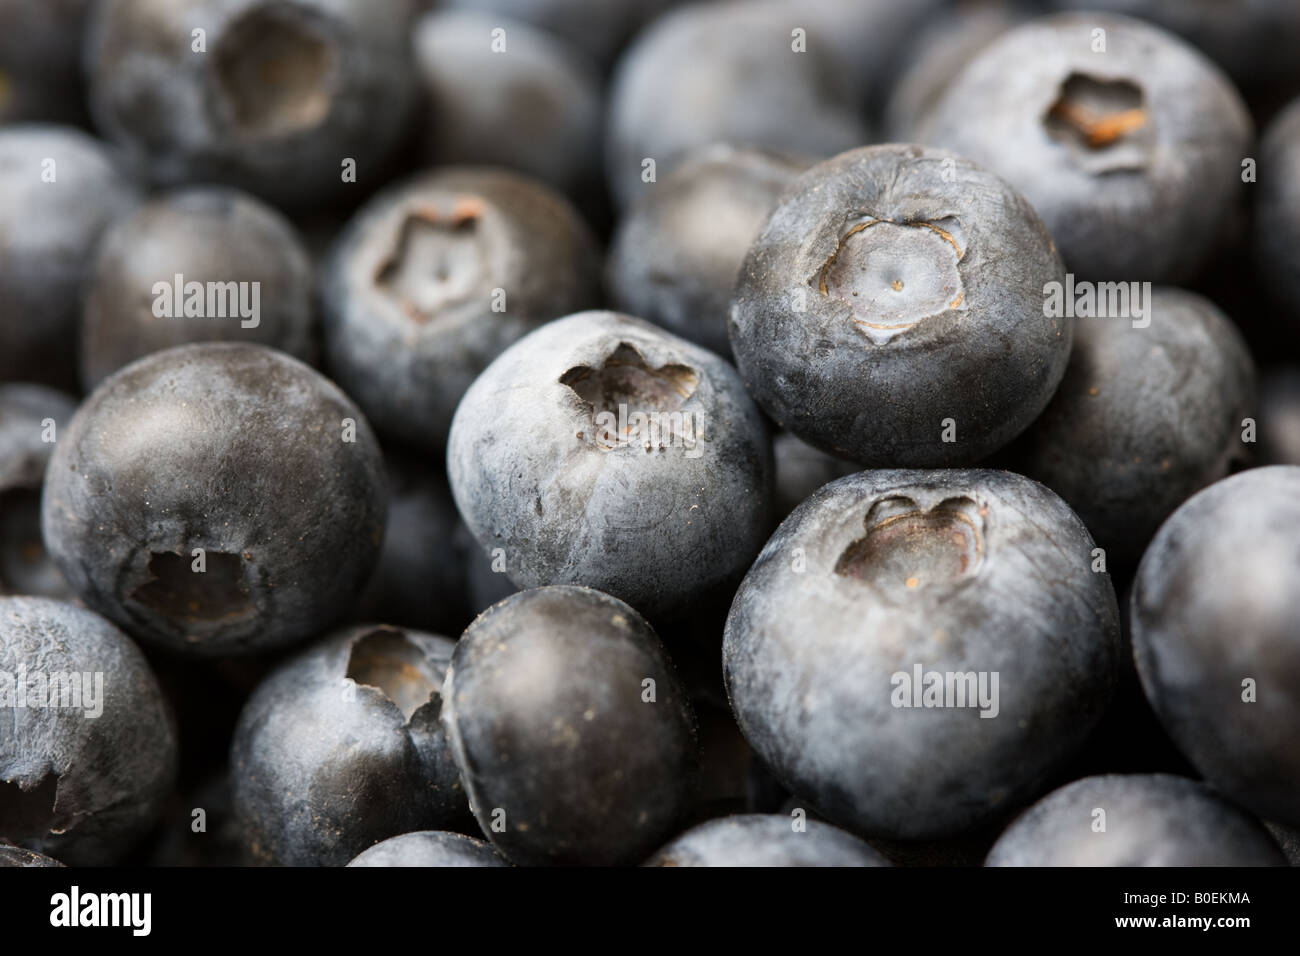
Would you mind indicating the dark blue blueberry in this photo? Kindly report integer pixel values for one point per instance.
(892, 310)
(1215, 637)
(603, 451)
(915, 652)
(1132, 154)
(84, 771)
(244, 276)
(235, 451)
(341, 747)
(435, 278)
(430, 848)
(574, 736)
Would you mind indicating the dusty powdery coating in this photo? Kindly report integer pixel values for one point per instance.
(430, 848)
(762, 840)
(534, 105)
(77, 787)
(254, 275)
(435, 278)
(1216, 638)
(885, 577)
(238, 450)
(279, 97)
(895, 288)
(341, 747)
(1144, 418)
(1131, 156)
(723, 72)
(50, 229)
(574, 736)
(601, 450)
(677, 252)
(1138, 820)
(1277, 212)
(30, 419)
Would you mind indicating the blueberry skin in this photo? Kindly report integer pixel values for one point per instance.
(957, 571)
(25, 567)
(765, 840)
(236, 449)
(284, 93)
(50, 231)
(597, 27)
(1158, 199)
(16, 856)
(1277, 213)
(82, 789)
(1212, 605)
(557, 744)
(40, 60)
(533, 472)
(413, 291)
(205, 234)
(677, 252)
(1150, 819)
(949, 324)
(1279, 416)
(1144, 418)
(341, 747)
(535, 107)
(723, 72)
(430, 848)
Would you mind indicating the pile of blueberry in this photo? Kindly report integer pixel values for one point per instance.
(606, 432)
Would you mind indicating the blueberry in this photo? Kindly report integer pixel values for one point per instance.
(15, 856)
(1288, 838)
(280, 96)
(1138, 820)
(430, 848)
(59, 190)
(341, 747)
(1277, 214)
(677, 252)
(573, 735)
(597, 27)
(1150, 411)
(530, 103)
(30, 419)
(199, 264)
(722, 72)
(1215, 636)
(1279, 416)
(40, 52)
(763, 840)
(434, 278)
(420, 580)
(892, 310)
(90, 753)
(1252, 40)
(1132, 156)
(602, 451)
(887, 584)
(233, 460)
